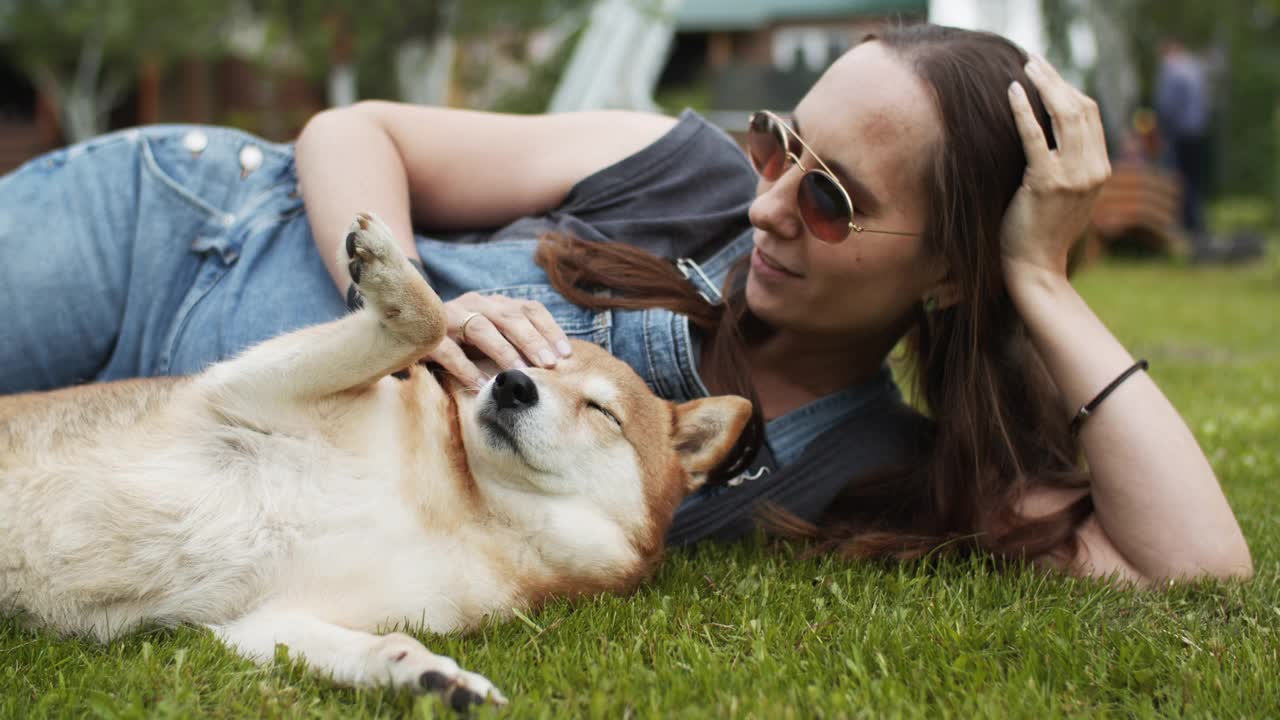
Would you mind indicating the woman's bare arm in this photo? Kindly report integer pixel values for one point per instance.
(450, 169)
(1159, 511)
(455, 169)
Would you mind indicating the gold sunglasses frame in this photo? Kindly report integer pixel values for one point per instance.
(781, 138)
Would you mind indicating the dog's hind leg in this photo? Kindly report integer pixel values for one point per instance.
(401, 321)
(355, 658)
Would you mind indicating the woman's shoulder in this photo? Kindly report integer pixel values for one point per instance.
(692, 148)
(684, 193)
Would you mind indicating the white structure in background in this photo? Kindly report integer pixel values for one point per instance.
(247, 38)
(424, 65)
(1094, 39)
(1018, 20)
(619, 57)
(815, 47)
(341, 85)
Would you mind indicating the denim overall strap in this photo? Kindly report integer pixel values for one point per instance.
(705, 510)
(658, 343)
(707, 277)
(717, 265)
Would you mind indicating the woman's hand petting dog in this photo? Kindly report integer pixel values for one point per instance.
(511, 332)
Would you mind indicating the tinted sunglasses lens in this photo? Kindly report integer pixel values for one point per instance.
(762, 144)
(824, 207)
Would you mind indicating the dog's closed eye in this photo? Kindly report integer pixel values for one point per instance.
(605, 411)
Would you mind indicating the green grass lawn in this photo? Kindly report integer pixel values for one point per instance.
(751, 631)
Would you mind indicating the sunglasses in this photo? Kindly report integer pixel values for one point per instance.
(825, 206)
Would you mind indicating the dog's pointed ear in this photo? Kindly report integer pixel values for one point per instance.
(705, 432)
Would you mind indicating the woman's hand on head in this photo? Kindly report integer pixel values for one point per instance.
(1052, 208)
(513, 333)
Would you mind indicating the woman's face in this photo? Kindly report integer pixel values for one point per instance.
(872, 121)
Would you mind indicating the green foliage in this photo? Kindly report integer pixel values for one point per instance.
(85, 54)
(481, 16)
(371, 29)
(52, 32)
(674, 100)
(48, 38)
(536, 94)
(759, 631)
(1246, 33)
(376, 28)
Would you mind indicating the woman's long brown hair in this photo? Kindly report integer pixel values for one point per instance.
(998, 426)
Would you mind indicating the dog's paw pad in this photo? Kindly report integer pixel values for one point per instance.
(461, 698)
(433, 681)
(371, 254)
(354, 262)
(476, 689)
(384, 282)
(407, 664)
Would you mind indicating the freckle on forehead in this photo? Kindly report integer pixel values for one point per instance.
(893, 138)
(881, 127)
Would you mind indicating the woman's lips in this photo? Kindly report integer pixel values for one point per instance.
(762, 263)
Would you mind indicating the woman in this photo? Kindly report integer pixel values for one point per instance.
(922, 191)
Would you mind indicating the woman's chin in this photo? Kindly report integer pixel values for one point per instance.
(766, 303)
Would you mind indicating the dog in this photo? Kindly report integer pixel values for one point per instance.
(298, 494)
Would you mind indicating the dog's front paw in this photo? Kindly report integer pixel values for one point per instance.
(372, 257)
(389, 285)
(411, 666)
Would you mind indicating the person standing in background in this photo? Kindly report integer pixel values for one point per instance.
(1183, 109)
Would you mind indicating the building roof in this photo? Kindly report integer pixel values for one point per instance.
(703, 15)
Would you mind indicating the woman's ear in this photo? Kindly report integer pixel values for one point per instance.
(942, 291)
(942, 295)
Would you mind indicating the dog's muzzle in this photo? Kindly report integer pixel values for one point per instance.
(511, 394)
(514, 391)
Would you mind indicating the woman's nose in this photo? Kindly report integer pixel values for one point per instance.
(774, 209)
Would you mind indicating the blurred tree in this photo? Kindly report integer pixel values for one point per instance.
(85, 55)
(535, 94)
(1104, 63)
(399, 49)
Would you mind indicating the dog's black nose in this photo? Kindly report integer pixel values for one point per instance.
(514, 390)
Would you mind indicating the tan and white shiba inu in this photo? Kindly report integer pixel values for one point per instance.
(298, 495)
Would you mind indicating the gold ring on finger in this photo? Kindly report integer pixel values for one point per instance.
(462, 331)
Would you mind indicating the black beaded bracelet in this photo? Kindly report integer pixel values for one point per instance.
(1087, 409)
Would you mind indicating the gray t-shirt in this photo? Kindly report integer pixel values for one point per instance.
(685, 195)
